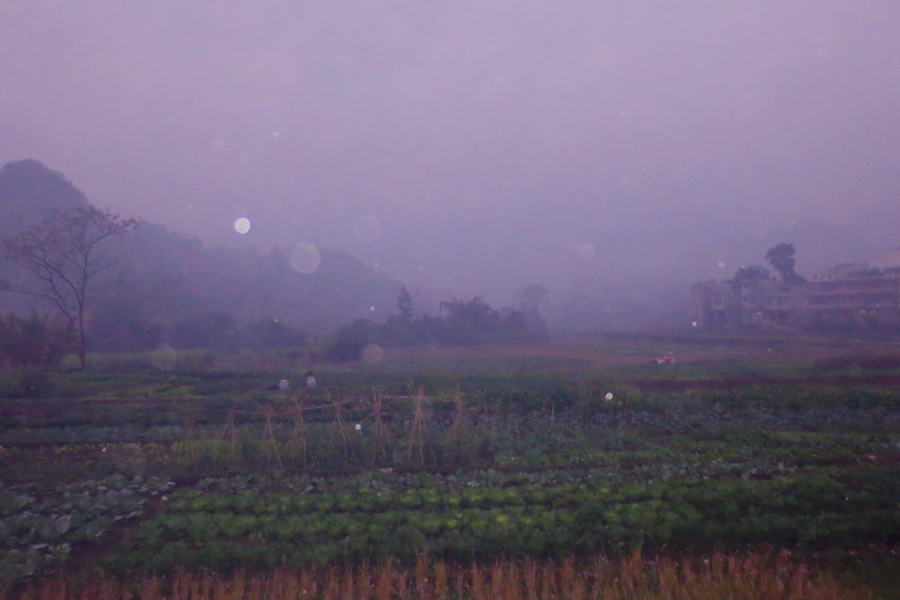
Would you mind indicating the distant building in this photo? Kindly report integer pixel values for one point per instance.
(758, 303)
(856, 295)
(866, 297)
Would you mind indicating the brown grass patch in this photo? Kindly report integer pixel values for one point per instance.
(751, 576)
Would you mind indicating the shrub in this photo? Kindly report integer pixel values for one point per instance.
(212, 330)
(349, 341)
(38, 341)
(271, 333)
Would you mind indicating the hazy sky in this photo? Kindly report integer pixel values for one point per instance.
(474, 146)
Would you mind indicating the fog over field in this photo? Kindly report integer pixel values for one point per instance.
(611, 151)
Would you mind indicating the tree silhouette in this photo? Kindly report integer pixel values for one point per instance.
(404, 303)
(781, 257)
(751, 273)
(58, 259)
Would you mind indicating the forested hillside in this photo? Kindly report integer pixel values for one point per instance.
(163, 283)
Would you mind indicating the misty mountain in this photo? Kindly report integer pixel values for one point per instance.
(29, 192)
(162, 279)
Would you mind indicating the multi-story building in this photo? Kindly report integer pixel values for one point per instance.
(862, 297)
(845, 295)
(760, 303)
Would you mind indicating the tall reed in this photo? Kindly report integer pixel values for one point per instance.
(749, 576)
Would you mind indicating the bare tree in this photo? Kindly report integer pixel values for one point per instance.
(58, 259)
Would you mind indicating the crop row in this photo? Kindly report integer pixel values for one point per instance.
(121, 424)
(797, 493)
(39, 524)
(214, 530)
(487, 497)
(370, 490)
(218, 540)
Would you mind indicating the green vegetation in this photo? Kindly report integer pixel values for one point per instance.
(149, 472)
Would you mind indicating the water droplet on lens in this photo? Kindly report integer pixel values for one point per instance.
(164, 358)
(242, 225)
(305, 258)
(373, 354)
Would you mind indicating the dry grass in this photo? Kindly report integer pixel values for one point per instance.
(735, 577)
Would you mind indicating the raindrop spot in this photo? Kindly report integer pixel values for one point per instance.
(372, 354)
(242, 225)
(305, 258)
(164, 358)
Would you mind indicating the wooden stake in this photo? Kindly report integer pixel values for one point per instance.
(187, 426)
(339, 422)
(418, 433)
(300, 432)
(269, 432)
(379, 430)
(231, 430)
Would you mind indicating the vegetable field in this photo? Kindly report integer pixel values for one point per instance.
(229, 475)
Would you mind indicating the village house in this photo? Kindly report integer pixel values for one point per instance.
(848, 295)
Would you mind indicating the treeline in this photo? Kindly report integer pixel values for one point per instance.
(43, 341)
(37, 341)
(461, 323)
(170, 289)
(159, 288)
(220, 331)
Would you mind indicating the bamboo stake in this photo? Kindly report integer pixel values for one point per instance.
(269, 432)
(458, 424)
(300, 432)
(418, 433)
(231, 431)
(339, 422)
(379, 430)
(187, 426)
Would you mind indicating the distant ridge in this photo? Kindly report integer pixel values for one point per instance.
(29, 192)
(162, 277)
